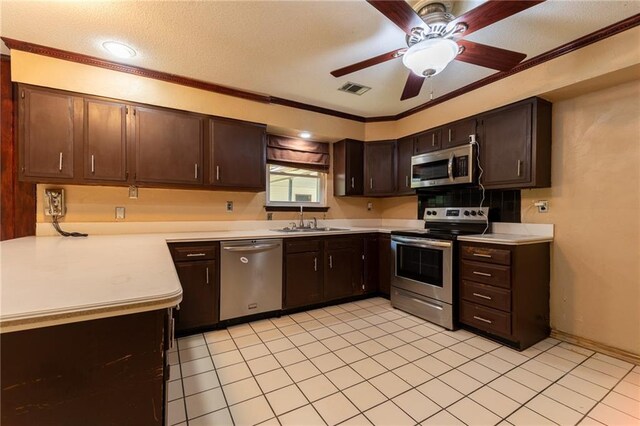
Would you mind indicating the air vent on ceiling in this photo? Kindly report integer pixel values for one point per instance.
(355, 88)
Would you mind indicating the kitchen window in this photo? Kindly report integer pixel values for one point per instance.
(291, 186)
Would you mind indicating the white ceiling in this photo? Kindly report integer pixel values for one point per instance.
(287, 48)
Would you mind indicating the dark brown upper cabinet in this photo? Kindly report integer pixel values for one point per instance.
(348, 167)
(458, 133)
(49, 128)
(405, 151)
(169, 146)
(380, 168)
(515, 145)
(428, 141)
(237, 154)
(105, 141)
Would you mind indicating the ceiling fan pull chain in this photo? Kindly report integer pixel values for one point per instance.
(430, 80)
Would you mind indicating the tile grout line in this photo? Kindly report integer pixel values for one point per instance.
(607, 394)
(379, 313)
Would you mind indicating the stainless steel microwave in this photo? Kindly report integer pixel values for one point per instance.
(453, 166)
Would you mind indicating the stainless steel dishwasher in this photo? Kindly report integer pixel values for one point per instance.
(250, 277)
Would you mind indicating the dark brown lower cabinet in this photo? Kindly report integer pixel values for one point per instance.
(385, 265)
(343, 273)
(504, 291)
(199, 306)
(371, 281)
(197, 268)
(108, 371)
(302, 273)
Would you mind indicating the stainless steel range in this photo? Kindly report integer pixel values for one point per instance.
(425, 273)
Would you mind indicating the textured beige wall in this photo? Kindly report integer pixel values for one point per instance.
(595, 206)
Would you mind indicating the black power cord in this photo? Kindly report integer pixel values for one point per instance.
(56, 225)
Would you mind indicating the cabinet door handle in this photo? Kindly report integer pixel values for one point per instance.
(482, 296)
(449, 135)
(433, 139)
(217, 172)
(484, 274)
(330, 262)
(93, 163)
(196, 254)
(519, 168)
(195, 172)
(207, 274)
(60, 162)
(406, 181)
(371, 183)
(482, 255)
(482, 319)
(353, 182)
(315, 264)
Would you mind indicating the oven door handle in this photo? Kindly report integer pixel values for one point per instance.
(450, 167)
(421, 242)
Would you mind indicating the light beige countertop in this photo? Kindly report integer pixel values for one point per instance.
(55, 280)
(514, 234)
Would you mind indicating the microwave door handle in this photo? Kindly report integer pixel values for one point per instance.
(450, 167)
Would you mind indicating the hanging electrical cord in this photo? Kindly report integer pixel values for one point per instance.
(473, 141)
(56, 225)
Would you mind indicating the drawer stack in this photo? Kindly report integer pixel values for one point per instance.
(504, 291)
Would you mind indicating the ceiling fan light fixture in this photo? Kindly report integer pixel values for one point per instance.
(429, 57)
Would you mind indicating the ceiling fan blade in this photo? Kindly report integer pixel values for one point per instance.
(489, 56)
(399, 12)
(490, 12)
(412, 86)
(367, 63)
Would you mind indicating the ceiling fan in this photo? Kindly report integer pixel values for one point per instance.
(434, 38)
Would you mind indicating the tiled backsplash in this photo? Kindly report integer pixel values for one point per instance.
(504, 204)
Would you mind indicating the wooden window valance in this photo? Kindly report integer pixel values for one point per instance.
(299, 153)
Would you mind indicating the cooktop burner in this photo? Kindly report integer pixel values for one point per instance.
(446, 223)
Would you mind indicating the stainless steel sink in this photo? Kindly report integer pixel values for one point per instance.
(320, 229)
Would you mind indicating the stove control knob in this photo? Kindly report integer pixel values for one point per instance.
(473, 212)
(428, 212)
(435, 213)
(480, 213)
(466, 212)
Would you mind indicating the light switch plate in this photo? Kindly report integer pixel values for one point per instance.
(120, 212)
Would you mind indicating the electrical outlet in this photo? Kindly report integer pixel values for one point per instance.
(543, 206)
(133, 192)
(369, 205)
(229, 206)
(120, 212)
(54, 202)
(269, 216)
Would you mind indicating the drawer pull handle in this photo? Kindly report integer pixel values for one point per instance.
(488, 256)
(482, 296)
(484, 274)
(482, 319)
(196, 254)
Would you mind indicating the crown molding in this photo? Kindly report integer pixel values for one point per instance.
(579, 43)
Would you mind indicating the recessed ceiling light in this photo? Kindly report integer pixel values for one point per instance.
(118, 49)
(304, 135)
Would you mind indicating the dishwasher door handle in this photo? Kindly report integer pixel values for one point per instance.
(254, 247)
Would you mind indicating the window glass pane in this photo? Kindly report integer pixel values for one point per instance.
(292, 185)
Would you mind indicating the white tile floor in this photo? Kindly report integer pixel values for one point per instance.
(366, 363)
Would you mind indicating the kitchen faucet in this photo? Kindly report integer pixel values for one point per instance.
(301, 218)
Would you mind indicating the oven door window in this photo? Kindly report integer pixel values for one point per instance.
(420, 264)
(432, 170)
